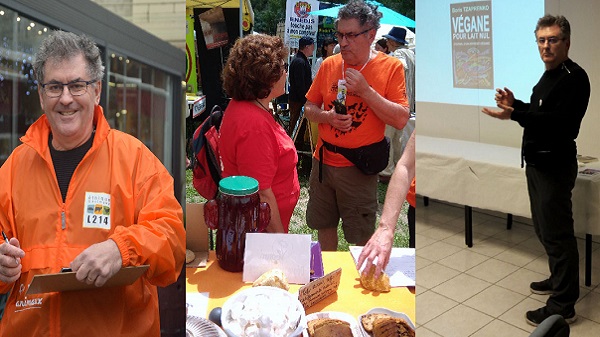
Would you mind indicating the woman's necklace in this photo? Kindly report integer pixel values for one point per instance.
(259, 103)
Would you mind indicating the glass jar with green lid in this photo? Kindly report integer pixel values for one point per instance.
(236, 211)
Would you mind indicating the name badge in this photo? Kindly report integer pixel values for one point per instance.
(342, 91)
(96, 212)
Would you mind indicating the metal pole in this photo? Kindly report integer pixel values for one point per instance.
(241, 18)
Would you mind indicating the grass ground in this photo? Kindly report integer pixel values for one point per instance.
(298, 222)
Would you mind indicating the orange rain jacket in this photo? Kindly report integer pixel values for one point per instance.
(141, 215)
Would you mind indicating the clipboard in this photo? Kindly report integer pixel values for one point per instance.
(68, 282)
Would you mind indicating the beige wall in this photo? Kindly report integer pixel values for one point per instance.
(162, 18)
(585, 50)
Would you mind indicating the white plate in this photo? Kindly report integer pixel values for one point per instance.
(335, 315)
(387, 312)
(293, 304)
(201, 327)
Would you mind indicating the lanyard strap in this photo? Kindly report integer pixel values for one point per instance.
(361, 69)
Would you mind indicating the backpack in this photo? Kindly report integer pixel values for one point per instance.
(207, 160)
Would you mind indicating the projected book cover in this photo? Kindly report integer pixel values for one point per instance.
(472, 51)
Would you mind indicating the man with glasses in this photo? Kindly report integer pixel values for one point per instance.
(370, 92)
(80, 195)
(551, 124)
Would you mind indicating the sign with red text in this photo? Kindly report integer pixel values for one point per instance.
(472, 48)
(299, 23)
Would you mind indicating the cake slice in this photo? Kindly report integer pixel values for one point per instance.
(333, 330)
(368, 319)
(315, 324)
(404, 329)
(385, 327)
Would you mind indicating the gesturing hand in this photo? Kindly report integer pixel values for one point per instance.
(504, 97)
(504, 100)
(505, 113)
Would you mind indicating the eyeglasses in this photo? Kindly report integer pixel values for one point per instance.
(350, 36)
(56, 89)
(551, 40)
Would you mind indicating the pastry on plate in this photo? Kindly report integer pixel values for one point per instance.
(333, 330)
(392, 327)
(272, 278)
(368, 320)
(329, 327)
(189, 256)
(369, 282)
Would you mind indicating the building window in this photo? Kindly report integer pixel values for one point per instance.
(19, 100)
(139, 97)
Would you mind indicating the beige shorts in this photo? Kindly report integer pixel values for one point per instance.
(345, 193)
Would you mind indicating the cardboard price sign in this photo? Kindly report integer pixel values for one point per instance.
(319, 289)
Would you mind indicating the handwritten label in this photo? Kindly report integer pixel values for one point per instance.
(319, 289)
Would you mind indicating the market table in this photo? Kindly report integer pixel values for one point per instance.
(350, 298)
(490, 177)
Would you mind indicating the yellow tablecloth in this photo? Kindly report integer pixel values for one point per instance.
(350, 298)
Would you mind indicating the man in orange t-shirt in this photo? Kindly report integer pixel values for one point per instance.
(373, 87)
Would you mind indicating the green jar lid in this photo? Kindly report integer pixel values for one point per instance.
(238, 185)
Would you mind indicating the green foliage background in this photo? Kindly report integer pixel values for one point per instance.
(267, 13)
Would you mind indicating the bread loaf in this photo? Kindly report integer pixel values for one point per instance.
(369, 282)
(333, 330)
(392, 327)
(329, 327)
(384, 325)
(368, 320)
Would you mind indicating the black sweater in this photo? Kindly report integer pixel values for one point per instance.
(300, 78)
(551, 121)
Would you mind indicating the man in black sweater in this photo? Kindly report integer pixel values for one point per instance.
(551, 124)
(300, 79)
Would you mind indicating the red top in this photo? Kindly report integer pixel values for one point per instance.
(411, 196)
(253, 144)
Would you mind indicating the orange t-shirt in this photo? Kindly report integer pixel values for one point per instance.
(385, 74)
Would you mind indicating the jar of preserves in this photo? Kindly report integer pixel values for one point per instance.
(236, 211)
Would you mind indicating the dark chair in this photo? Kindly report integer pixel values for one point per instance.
(553, 326)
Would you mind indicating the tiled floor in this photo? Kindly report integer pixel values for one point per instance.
(483, 291)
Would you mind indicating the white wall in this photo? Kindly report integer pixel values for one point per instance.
(585, 50)
(468, 123)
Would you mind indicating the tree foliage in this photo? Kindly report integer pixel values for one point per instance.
(267, 13)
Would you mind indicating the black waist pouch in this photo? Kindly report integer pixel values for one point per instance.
(370, 159)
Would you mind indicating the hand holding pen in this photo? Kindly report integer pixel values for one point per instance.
(10, 263)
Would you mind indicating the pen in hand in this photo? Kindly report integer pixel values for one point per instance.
(7, 241)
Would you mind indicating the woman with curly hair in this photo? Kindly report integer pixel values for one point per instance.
(252, 143)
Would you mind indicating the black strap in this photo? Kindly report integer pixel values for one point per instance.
(321, 164)
(329, 147)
